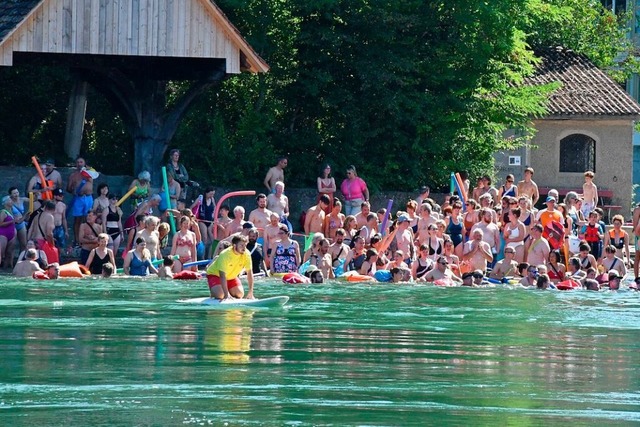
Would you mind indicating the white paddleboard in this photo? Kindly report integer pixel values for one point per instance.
(264, 302)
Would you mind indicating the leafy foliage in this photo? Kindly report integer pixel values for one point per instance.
(406, 91)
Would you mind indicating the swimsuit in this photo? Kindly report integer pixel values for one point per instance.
(423, 268)
(553, 273)
(512, 235)
(357, 262)
(183, 241)
(510, 192)
(17, 211)
(112, 223)
(455, 232)
(8, 231)
(467, 224)
(97, 262)
(284, 260)
(138, 267)
(206, 211)
(434, 251)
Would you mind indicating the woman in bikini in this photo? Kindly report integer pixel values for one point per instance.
(509, 188)
(326, 185)
(350, 228)
(184, 245)
(433, 242)
(334, 220)
(470, 218)
(586, 259)
(452, 259)
(101, 203)
(368, 267)
(618, 238)
(100, 255)
(515, 233)
(526, 216)
(422, 264)
(112, 222)
(195, 229)
(555, 269)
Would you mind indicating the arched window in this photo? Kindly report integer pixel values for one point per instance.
(577, 153)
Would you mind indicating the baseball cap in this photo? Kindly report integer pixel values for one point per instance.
(403, 218)
(50, 162)
(248, 225)
(613, 274)
(550, 199)
(58, 192)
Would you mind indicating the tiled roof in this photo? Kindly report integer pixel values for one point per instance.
(12, 12)
(586, 90)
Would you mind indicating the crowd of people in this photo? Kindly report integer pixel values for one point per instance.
(485, 234)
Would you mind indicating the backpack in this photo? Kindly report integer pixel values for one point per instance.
(33, 215)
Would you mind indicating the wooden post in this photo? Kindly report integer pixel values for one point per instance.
(75, 118)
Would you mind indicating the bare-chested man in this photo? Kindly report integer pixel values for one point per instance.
(589, 194)
(441, 272)
(277, 202)
(314, 220)
(490, 231)
(404, 238)
(235, 226)
(477, 252)
(260, 216)
(222, 222)
(50, 174)
(275, 174)
(43, 224)
(271, 234)
(80, 185)
(506, 267)
(537, 248)
(28, 265)
(338, 249)
(528, 187)
(361, 217)
(323, 261)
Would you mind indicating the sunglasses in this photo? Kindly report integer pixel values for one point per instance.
(477, 276)
(443, 263)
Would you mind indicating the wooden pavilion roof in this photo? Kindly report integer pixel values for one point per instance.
(195, 29)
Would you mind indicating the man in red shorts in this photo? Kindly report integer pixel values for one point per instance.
(222, 274)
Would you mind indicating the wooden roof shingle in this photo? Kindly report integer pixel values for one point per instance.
(586, 90)
(12, 12)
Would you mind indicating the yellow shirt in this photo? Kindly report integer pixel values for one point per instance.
(231, 263)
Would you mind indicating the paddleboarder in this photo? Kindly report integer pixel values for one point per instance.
(222, 274)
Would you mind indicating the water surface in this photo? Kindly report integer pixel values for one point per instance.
(82, 352)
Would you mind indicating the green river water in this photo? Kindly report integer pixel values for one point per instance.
(123, 352)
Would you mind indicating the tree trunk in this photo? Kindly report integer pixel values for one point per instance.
(142, 104)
